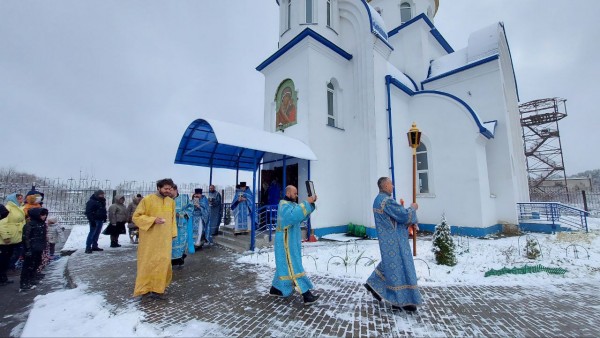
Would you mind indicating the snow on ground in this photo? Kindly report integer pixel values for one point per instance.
(80, 313)
(356, 259)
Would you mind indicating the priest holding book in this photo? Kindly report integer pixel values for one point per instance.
(289, 272)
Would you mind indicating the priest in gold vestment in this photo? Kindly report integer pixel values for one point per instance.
(155, 217)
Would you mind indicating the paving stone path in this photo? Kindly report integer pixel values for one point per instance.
(213, 288)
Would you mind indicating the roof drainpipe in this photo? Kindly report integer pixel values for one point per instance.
(388, 80)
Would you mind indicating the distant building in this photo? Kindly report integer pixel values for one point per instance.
(573, 184)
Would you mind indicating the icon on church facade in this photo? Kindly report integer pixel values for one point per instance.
(285, 102)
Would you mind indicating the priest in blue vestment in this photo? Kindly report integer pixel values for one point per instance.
(242, 208)
(289, 272)
(394, 278)
(200, 220)
(183, 213)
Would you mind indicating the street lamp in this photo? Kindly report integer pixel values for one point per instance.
(414, 139)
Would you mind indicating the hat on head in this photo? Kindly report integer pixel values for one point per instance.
(198, 191)
(242, 184)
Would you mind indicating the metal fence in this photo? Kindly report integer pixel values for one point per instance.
(585, 200)
(67, 198)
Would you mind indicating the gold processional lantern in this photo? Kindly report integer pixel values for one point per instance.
(414, 140)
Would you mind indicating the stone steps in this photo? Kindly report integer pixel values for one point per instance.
(239, 243)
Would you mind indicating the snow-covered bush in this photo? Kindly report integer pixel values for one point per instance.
(443, 245)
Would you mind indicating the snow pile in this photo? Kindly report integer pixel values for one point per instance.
(356, 259)
(78, 313)
(78, 236)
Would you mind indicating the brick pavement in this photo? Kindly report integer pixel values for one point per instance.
(213, 288)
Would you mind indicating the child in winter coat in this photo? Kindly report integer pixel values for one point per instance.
(55, 234)
(34, 243)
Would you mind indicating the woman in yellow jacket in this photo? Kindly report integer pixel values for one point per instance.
(11, 233)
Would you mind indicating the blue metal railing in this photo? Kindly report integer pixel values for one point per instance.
(553, 213)
(267, 219)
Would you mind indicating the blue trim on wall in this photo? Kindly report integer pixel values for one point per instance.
(434, 32)
(465, 231)
(461, 69)
(413, 82)
(320, 232)
(391, 133)
(307, 32)
(483, 130)
(511, 61)
(495, 125)
(378, 32)
(542, 227)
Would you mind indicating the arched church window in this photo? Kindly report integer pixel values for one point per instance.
(309, 11)
(405, 12)
(422, 169)
(331, 114)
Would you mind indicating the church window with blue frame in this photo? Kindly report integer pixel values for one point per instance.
(405, 12)
(422, 169)
(331, 116)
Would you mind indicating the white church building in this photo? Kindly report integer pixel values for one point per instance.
(349, 79)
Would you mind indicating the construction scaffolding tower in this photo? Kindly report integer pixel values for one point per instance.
(543, 149)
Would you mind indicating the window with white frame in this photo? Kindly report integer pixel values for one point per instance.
(329, 13)
(288, 16)
(405, 12)
(422, 169)
(331, 115)
(309, 11)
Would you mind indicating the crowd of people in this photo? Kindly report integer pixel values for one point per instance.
(167, 226)
(28, 238)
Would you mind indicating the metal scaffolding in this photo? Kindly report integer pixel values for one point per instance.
(543, 149)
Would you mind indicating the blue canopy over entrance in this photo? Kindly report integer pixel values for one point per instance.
(217, 144)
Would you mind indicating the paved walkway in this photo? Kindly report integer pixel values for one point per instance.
(212, 287)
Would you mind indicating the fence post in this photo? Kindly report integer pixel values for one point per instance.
(585, 206)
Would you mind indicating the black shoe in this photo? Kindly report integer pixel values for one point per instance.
(158, 296)
(309, 298)
(370, 289)
(88, 251)
(6, 282)
(410, 308)
(274, 292)
(97, 249)
(394, 307)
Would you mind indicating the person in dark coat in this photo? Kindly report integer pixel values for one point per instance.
(34, 243)
(3, 212)
(95, 211)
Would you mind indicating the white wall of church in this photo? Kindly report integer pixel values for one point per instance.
(482, 88)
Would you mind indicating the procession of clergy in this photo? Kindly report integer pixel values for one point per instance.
(170, 223)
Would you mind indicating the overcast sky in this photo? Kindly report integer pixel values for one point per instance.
(107, 88)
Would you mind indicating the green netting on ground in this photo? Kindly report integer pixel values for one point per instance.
(526, 269)
(357, 230)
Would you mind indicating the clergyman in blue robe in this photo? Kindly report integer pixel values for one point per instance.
(289, 272)
(200, 221)
(241, 208)
(394, 278)
(215, 204)
(183, 216)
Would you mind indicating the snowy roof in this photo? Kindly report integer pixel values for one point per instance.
(482, 44)
(401, 77)
(218, 144)
(377, 23)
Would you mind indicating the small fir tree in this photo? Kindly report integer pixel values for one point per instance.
(531, 249)
(443, 245)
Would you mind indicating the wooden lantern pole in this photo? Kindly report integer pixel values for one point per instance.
(414, 139)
